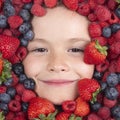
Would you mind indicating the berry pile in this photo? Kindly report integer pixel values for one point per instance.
(98, 100)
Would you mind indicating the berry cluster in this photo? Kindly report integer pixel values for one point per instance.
(17, 96)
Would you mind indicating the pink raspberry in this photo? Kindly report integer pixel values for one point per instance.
(26, 1)
(92, 17)
(20, 88)
(93, 116)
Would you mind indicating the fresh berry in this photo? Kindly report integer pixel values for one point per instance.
(20, 88)
(3, 89)
(82, 107)
(4, 97)
(116, 112)
(28, 6)
(95, 106)
(29, 35)
(1, 65)
(97, 75)
(94, 53)
(39, 106)
(8, 46)
(106, 32)
(117, 12)
(86, 87)
(62, 116)
(50, 3)
(26, 1)
(93, 116)
(69, 106)
(11, 91)
(3, 21)
(8, 82)
(4, 107)
(71, 4)
(22, 78)
(115, 27)
(25, 106)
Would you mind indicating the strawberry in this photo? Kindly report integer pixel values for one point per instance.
(1, 65)
(39, 106)
(82, 107)
(63, 116)
(50, 3)
(71, 4)
(94, 53)
(8, 46)
(86, 87)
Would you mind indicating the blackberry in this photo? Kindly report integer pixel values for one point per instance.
(24, 106)
(117, 12)
(97, 75)
(28, 35)
(22, 78)
(8, 9)
(8, 82)
(106, 32)
(25, 14)
(4, 107)
(116, 112)
(3, 21)
(95, 106)
(112, 79)
(115, 27)
(29, 84)
(24, 27)
(5, 98)
(18, 68)
(28, 6)
(111, 93)
(11, 91)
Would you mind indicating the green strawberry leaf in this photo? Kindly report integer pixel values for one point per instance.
(118, 1)
(2, 117)
(73, 117)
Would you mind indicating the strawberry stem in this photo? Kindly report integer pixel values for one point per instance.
(2, 117)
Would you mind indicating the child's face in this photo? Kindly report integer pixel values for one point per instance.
(55, 58)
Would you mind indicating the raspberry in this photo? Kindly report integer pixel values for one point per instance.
(50, 3)
(38, 10)
(14, 59)
(113, 66)
(118, 65)
(117, 36)
(15, 79)
(92, 4)
(3, 89)
(93, 116)
(102, 13)
(15, 21)
(15, 32)
(84, 9)
(103, 24)
(14, 106)
(10, 116)
(28, 95)
(26, 1)
(92, 17)
(17, 97)
(19, 88)
(7, 32)
(100, 2)
(95, 30)
(113, 19)
(104, 112)
(71, 4)
(111, 4)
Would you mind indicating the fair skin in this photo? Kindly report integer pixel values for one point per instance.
(55, 55)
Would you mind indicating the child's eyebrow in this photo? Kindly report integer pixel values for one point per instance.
(79, 39)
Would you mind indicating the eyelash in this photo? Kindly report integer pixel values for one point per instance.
(40, 50)
(76, 50)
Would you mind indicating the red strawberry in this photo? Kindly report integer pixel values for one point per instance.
(39, 106)
(50, 3)
(38, 10)
(62, 116)
(94, 53)
(86, 87)
(82, 107)
(8, 46)
(71, 4)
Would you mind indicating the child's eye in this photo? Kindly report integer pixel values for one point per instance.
(40, 50)
(76, 50)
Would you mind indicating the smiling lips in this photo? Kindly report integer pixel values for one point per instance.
(58, 82)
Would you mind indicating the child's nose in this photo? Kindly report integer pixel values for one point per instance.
(58, 64)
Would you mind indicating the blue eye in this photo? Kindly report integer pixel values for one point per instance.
(75, 50)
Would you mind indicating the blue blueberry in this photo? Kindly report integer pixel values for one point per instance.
(106, 32)
(11, 91)
(98, 75)
(112, 79)
(115, 27)
(3, 21)
(116, 112)
(103, 85)
(4, 107)
(28, 35)
(24, 42)
(8, 82)
(117, 12)
(22, 78)
(111, 93)
(5, 98)
(29, 84)
(24, 106)
(28, 6)
(95, 106)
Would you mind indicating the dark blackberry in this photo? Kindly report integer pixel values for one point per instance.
(24, 106)
(28, 35)
(29, 84)
(3, 21)
(95, 106)
(117, 12)
(4, 107)
(18, 68)
(24, 27)
(8, 9)
(8, 82)
(116, 112)
(112, 79)
(111, 93)
(22, 78)
(24, 42)
(5, 98)
(25, 14)
(115, 27)
(11, 91)
(98, 75)
(28, 6)
(106, 32)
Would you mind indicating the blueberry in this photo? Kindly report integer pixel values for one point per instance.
(8, 9)
(115, 27)
(116, 111)
(117, 12)
(4, 107)
(4, 97)
(3, 21)
(29, 84)
(119, 77)
(24, 106)
(25, 14)
(25, 27)
(22, 78)
(18, 68)
(28, 6)
(103, 85)
(106, 32)
(112, 79)
(95, 106)
(24, 42)
(11, 91)
(111, 93)
(8, 82)
(98, 75)
(29, 35)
